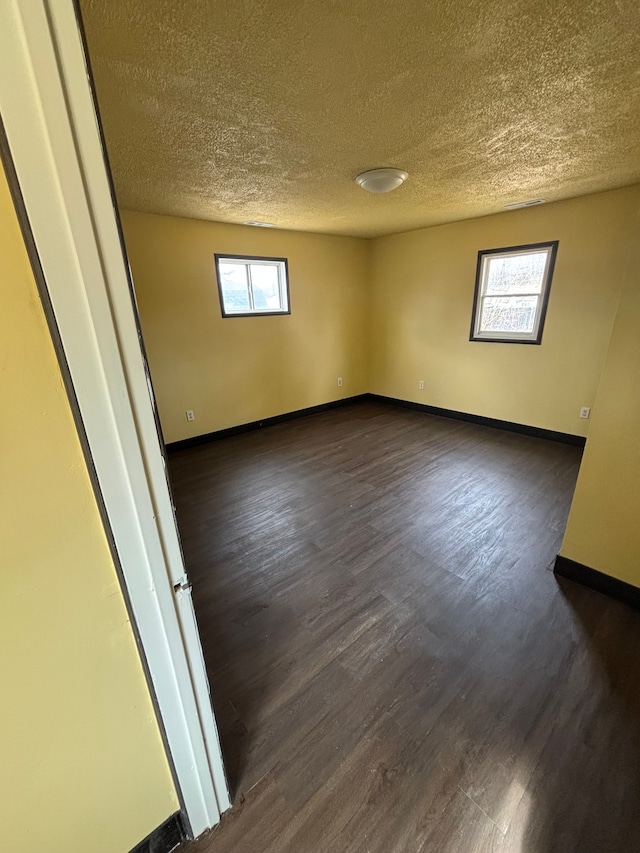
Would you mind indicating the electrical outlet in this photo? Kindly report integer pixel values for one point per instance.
(421, 385)
(190, 415)
(339, 381)
(585, 412)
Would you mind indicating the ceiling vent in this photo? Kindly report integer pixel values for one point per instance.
(520, 204)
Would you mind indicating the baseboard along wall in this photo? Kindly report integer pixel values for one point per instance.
(607, 585)
(509, 426)
(164, 838)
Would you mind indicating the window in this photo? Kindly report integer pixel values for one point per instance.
(250, 286)
(512, 290)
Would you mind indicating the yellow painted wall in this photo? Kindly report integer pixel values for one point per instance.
(422, 293)
(82, 764)
(387, 313)
(241, 369)
(604, 524)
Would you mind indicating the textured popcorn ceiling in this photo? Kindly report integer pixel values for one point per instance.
(268, 109)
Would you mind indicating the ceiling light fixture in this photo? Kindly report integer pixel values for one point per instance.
(520, 204)
(381, 180)
(259, 224)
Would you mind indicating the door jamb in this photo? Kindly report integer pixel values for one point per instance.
(53, 134)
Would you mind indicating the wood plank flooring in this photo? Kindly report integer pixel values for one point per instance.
(394, 666)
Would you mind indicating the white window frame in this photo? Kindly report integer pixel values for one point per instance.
(480, 294)
(247, 261)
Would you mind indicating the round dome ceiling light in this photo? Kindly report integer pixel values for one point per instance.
(381, 180)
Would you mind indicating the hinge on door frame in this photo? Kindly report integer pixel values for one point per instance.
(182, 585)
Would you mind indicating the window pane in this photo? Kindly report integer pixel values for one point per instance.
(252, 285)
(517, 274)
(235, 291)
(266, 290)
(508, 314)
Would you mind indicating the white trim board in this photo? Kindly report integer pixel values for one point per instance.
(50, 121)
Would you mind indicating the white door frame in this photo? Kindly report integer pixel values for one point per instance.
(49, 116)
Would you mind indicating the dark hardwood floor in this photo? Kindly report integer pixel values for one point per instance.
(394, 666)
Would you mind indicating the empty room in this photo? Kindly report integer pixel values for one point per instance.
(349, 387)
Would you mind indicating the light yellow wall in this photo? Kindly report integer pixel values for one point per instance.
(423, 283)
(604, 524)
(82, 764)
(241, 369)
